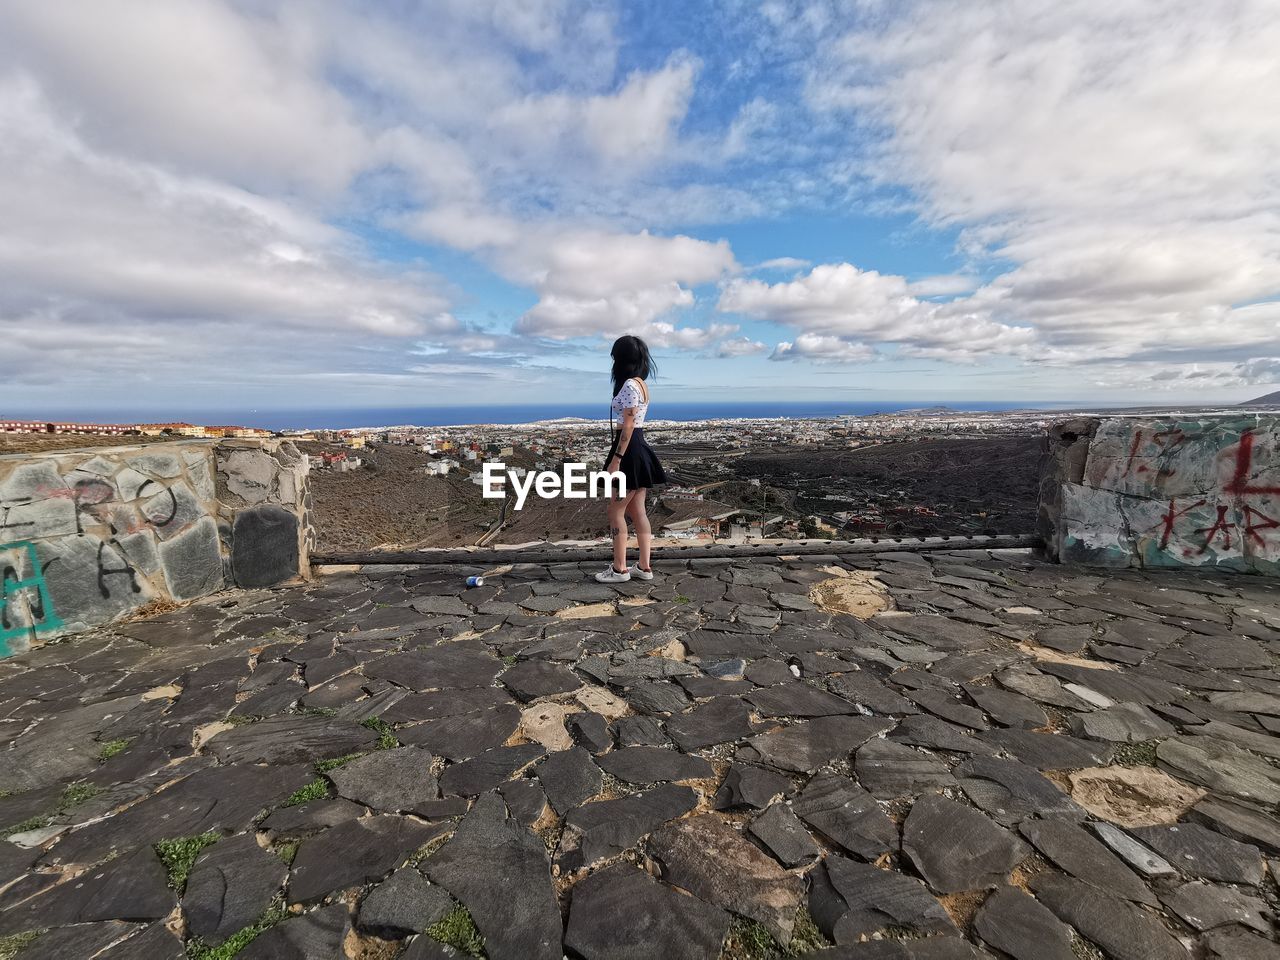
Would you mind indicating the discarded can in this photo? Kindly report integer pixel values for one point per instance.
(475, 581)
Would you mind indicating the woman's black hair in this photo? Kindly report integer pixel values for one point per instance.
(631, 359)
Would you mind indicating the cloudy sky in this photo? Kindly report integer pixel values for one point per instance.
(249, 203)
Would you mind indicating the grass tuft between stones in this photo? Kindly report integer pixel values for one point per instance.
(751, 940)
(317, 789)
(112, 747)
(76, 794)
(179, 854)
(286, 850)
(197, 949)
(324, 766)
(386, 738)
(315, 711)
(456, 929)
(31, 823)
(10, 945)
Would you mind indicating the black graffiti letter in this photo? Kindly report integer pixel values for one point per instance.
(104, 572)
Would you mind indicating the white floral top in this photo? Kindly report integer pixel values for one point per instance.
(629, 397)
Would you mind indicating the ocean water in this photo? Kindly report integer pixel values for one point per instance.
(349, 417)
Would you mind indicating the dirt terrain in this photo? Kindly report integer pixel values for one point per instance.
(390, 502)
(966, 485)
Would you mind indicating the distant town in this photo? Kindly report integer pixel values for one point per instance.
(915, 472)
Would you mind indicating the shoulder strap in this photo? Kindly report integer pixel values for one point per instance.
(644, 388)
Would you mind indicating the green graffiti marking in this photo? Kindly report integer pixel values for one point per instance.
(12, 584)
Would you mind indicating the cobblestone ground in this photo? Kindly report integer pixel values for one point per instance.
(1019, 760)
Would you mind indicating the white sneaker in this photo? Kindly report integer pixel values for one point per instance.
(638, 574)
(610, 575)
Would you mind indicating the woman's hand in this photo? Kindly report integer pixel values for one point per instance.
(614, 464)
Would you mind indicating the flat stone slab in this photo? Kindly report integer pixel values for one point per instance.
(397, 781)
(305, 818)
(222, 798)
(569, 778)
(470, 778)
(442, 667)
(715, 863)
(863, 688)
(1078, 853)
(1201, 852)
(511, 898)
(956, 848)
(353, 854)
(1239, 822)
(1124, 931)
(720, 720)
(1222, 767)
(935, 734)
(290, 739)
(1137, 855)
(134, 887)
(465, 735)
(1009, 791)
(621, 913)
(847, 815)
(889, 770)
(403, 904)
(804, 747)
(607, 827)
(783, 835)
(1122, 723)
(653, 765)
(798, 699)
(745, 786)
(1205, 906)
(1022, 927)
(317, 935)
(231, 884)
(1049, 751)
(1007, 708)
(852, 901)
(531, 679)
(589, 730)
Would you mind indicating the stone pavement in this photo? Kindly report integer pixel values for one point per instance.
(1018, 760)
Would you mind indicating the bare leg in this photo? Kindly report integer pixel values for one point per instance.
(618, 531)
(640, 520)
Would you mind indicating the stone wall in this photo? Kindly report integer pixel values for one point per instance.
(90, 536)
(1164, 493)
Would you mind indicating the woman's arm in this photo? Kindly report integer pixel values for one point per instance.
(625, 429)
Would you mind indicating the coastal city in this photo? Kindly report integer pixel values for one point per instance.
(402, 487)
(921, 472)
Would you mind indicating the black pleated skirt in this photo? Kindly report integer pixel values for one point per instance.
(639, 464)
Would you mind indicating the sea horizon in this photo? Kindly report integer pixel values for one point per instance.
(475, 414)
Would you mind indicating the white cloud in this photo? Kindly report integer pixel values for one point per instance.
(594, 283)
(835, 302)
(661, 334)
(740, 347)
(823, 349)
(193, 84)
(87, 229)
(1123, 156)
(942, 285)
(782, 264)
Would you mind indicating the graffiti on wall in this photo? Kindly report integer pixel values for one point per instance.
(26, 608)
(1178, 494)
(90, 537)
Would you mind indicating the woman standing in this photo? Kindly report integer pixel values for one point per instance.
(629, 453)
